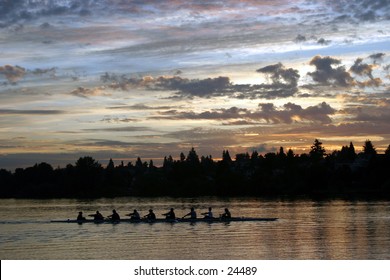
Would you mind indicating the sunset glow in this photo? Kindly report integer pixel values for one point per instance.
(128, 79)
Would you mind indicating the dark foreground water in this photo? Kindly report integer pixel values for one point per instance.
(305, 230)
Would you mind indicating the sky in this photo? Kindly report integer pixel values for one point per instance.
(123, 79)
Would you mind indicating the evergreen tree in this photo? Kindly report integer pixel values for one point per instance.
(368, 148)
(110, 165)
(317, 151)
(192, 157)
(226, 157)
(290, 153)
(87, 162)
(387, 152)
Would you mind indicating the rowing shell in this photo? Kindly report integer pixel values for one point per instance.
(216, 220)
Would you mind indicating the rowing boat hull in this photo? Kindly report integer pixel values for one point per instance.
(243, 219)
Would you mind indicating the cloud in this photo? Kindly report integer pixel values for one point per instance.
(322, 41)
(12, 73)
(195, 87)
(181, 86)
(291, 112)
(14, 11)
(140, 107)
(87, 92)
(215, 114)
(283, 84)
(326, 74)
(109, 119)
(280, 75)
(120, 129)
(44, 71)
(362, 69)
(267, 112)
(31, 112)
(377, 57)
(362, 10)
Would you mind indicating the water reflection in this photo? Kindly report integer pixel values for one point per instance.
(305, 230)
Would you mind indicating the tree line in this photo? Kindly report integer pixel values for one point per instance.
(317, 174)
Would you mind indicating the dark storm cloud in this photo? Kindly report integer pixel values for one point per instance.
(329, 73)
(289, 113)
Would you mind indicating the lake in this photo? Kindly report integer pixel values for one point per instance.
(333, 229)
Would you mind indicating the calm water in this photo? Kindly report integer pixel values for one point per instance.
(305, 230)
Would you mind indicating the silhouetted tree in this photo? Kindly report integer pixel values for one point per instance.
(182, 157)
(342, 173)
(110, 165)
(290, 154)
(226, 156)
(368, 148)
(87, 162)
(347, 153)
(387, 152)
(317, 151)
(281, 153)
(192, 157)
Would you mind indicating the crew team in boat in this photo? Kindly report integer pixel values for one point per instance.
(151, 216)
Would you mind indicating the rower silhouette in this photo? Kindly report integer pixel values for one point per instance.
(134, 216)
(208, 214)
(151, 216)
(170, 215)
(226, 214)
(97, 216)
(192, 214)
(114, 216)
(80, 217)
